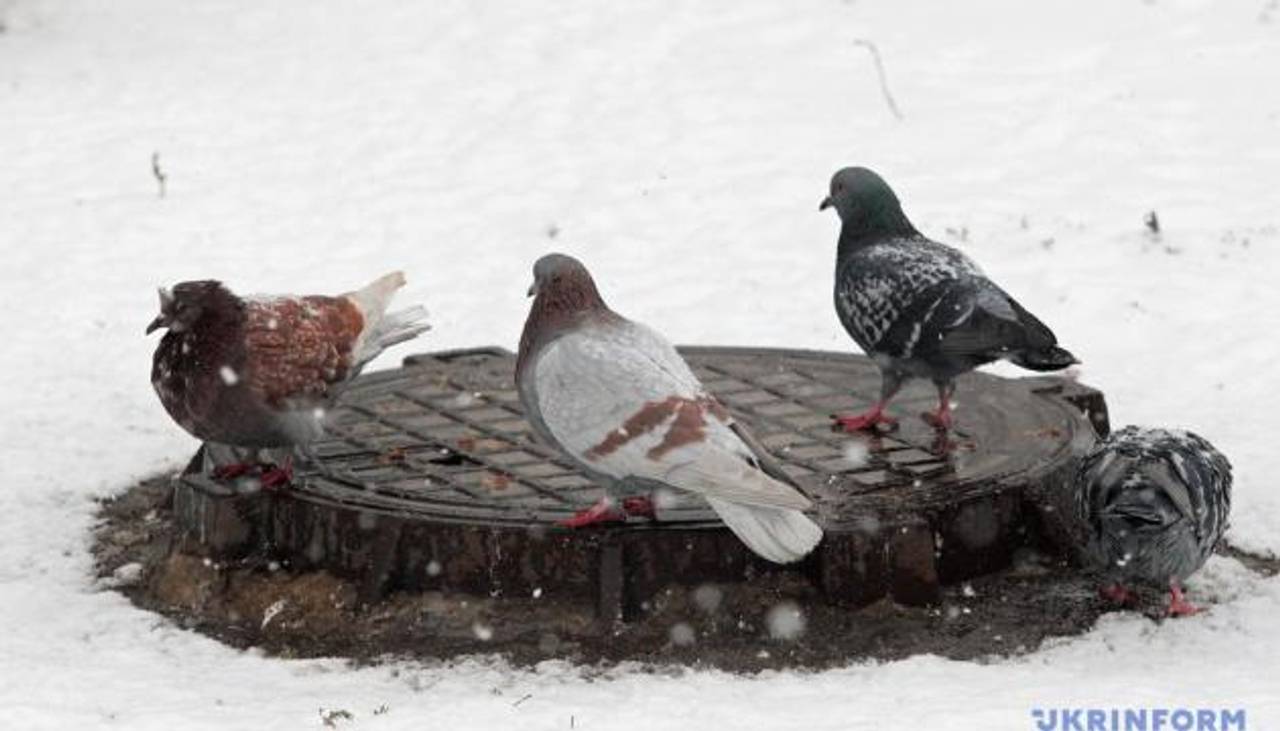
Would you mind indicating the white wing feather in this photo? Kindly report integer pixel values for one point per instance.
(591, 381)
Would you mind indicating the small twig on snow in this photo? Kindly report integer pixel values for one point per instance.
(884, 80)
(157, 173)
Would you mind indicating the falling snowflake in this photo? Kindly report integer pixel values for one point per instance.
(786, 621)
(272, 611)
(665, 499)
(868, 524)
(228, 375)
(128, 574)
(856, 453)
(708, 597)
(682, 635)
(433, 568)
(483, 632)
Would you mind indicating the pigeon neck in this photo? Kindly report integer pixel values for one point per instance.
(221, 320)
(558, 309)
(871, 227)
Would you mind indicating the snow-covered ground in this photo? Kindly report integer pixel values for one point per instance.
(681, 149)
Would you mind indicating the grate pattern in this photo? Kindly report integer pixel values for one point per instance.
(446, 436)
(432, 465)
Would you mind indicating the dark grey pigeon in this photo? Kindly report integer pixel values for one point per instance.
(918, 308)
(1153, 503)
(617, 400)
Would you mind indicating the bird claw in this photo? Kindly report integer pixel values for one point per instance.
(605, 512)
(940, 420)
(232, 471)
(269, 477)
(1179, 606)
(601, 512)
(277, 477)
(1117, 594)
(862, 422)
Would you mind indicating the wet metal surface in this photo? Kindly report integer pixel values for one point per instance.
(431, 480)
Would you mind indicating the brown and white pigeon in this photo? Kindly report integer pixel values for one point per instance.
(918, 308)
(617, 399)
(257, 373)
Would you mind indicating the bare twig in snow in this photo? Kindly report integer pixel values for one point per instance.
(1153, 223)
(884, 80)
(523, 698)
(331, 718)
(157, 173)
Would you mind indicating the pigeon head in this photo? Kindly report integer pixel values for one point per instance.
(564, 297)
(866, 204)
(183, 306)
(562, 282)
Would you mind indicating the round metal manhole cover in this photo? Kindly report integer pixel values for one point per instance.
(431, 479)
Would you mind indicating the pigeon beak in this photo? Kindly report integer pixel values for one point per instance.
(533, 289)
(156, 324)
(825, 204)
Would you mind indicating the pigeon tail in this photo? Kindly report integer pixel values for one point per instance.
(1051, 358)
(374, 297)
(383, 330)
(778, 535)
(392, 329)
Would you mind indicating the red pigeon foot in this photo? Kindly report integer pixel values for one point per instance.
(1117, 594)
(602, 512)
(865, 421)
(232, 471)
(277, 477)
(640, 506)
(940, 419)
(1178, 604)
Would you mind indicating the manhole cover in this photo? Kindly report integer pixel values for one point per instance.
(431, 480)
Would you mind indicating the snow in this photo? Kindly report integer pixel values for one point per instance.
(786, 621)
(681, 150)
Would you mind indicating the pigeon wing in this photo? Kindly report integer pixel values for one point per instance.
(621, 400)
(299, 348)
(889, 294)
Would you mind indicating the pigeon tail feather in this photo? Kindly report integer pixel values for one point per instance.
(778, 535)
(374, 297)
(1052, 358)
(383, 330)
(392, 329)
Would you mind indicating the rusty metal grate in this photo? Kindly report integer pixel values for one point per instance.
(442, 441)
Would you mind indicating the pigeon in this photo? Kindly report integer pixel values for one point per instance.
(1153, 503)
(258, 373)
(618, 401)
(918, 308)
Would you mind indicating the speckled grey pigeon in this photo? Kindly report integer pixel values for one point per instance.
(616, 398)
(256, 373)
(919, 308)
(1153, 503)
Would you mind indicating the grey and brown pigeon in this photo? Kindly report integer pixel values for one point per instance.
(617, 400)
(918, 308)
(258, 373)
(1153, 504)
